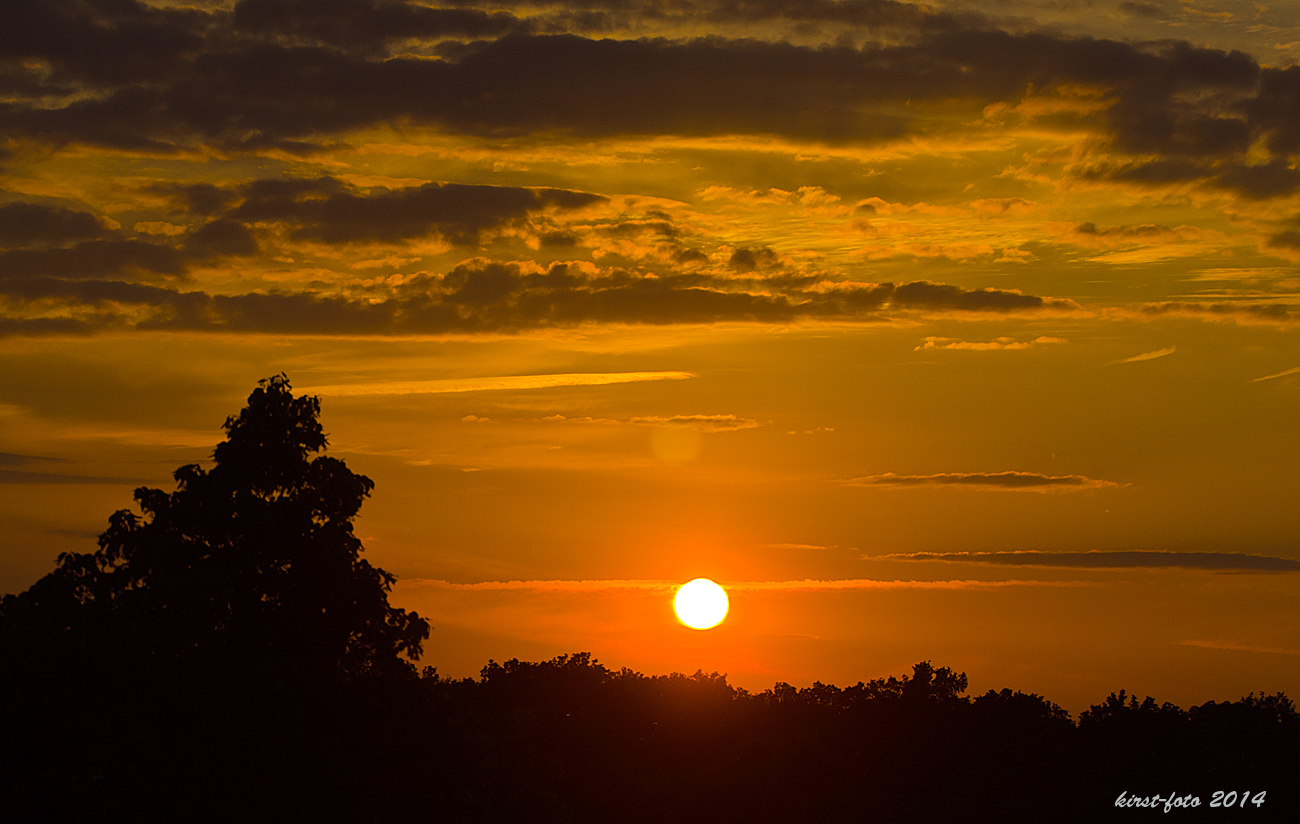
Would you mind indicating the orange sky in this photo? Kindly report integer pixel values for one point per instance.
(964, 332)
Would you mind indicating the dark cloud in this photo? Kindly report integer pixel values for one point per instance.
(924, 294)
(33, 224)
(985, 480)
(1222, 561)
(873, 15)
(1259, 181)
(221, 238)
(19, 476)
(202, 199)
(94, 259)
(12, 459)
(1148, 10)
(45, 250)
(689, 256)
(1289, 239)
(367, 25)
(559, 240)
(36, 327)
(747, 260)
(1278, 313)
(292, 73)
(87, 292)
(1256, 181)
(486, 296)
(328, 210)
(103, 42)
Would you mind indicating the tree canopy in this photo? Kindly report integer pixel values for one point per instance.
(251, 565)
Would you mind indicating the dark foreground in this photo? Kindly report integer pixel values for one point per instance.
(572, 741)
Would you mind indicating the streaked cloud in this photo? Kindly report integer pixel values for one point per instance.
(1146, 356)
(19, 476)
(995, 345)
(477, 295)
(1010, 480)
(1098, 559)
(1244, 311)
(708, 423)
(25, 469)
(811, 585)
(1229, 645)
(493, 383)
(1293, 370)
(661, 587)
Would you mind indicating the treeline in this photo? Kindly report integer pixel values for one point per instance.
(570, 740)
(227, 655)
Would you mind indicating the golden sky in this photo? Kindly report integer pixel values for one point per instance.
(965, 332)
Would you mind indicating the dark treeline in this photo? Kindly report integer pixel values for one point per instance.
(228, 656)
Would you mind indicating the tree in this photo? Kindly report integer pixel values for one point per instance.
(251, 566)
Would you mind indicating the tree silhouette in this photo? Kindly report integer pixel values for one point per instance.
(252, 565)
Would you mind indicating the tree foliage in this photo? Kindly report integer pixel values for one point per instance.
(251, 566)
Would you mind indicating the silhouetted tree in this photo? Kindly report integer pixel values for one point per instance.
(250, 565)
(228, 643)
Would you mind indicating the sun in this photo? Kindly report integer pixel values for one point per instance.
(701, 604)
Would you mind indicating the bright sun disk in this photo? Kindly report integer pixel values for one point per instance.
(700, 604)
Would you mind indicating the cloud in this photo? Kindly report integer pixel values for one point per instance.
(1146, 356)
(495, 383)
(661, 587)
(366, 25)
(1147, 10)
(293, 74)
(1027, 481)
(708, 423)
(1229, 645)
(1000, 344)
(1292, 371)
(482, 295)
(1279, 314)
(328, 210)
(946, 296)
(34, 224)
(1222, 561)
(20, 476)
(221, 238)
(94, 259)
(809, 585)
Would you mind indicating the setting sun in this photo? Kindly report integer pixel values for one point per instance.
(701, 604)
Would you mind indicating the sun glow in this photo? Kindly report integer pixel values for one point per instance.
(701, 604)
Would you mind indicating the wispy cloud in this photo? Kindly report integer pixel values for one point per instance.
(996, 345)
(1028, 481)
(709, 423)
(1146, 356)
(659, 587)
(1220, 561)
(1293, 370)
(488, 383)
(18, 476)
(1240, 647)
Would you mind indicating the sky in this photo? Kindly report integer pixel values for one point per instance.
(965, 332)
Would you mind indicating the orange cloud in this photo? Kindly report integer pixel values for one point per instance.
(1024, 481)
(490, 383)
